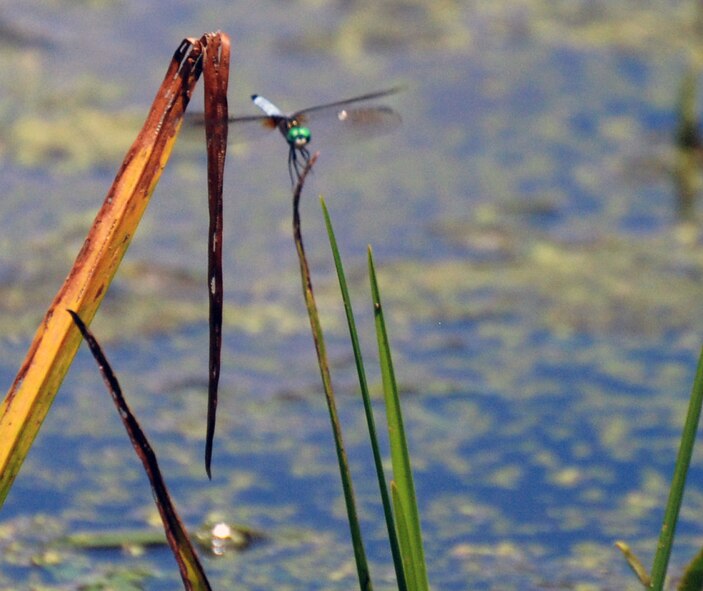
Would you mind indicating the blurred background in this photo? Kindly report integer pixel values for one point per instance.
(537, 235)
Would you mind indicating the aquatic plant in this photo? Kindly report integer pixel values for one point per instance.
(66, 322)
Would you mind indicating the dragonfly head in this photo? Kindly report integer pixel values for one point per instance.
(298, 137)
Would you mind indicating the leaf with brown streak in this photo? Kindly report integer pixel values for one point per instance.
(192, 572)
(57, 339)
(216, 77)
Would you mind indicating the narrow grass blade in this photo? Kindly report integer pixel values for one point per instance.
(683, 461)
(56, 341)
(192, 572)
(692, 579)
(400, 457)
(371, 423)
(405, 538)
(362, 567)
(216, 79)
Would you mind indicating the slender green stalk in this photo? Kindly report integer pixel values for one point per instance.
(363, 385)
(683, 460)
(400, 457)
(354, 526)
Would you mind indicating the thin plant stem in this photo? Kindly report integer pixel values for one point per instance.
(354, 526)
(192, 573)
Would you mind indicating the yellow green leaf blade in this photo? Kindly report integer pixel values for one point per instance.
(404, 540)
(400, 456)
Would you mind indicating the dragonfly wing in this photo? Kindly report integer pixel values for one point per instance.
(328, 120)
(342, 121)
(241, 129)
(247, 129)
(339, 125)
(357, 99)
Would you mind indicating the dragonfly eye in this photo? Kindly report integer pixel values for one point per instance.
(298, 136)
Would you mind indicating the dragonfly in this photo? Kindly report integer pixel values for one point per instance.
(346, 118)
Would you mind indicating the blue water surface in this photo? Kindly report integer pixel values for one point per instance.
(542, 292)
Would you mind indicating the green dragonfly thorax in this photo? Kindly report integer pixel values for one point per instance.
(298, 137)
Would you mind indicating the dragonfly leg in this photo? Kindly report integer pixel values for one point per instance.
(295, 166)
(293, 172)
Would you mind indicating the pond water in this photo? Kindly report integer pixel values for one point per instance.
(541, 276)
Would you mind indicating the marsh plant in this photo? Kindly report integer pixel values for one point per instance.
(67, 319)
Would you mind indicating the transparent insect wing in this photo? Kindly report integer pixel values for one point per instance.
(241, 129)
(343, 124)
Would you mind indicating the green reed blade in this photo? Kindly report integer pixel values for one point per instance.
(371, 423)
(678, 483)
(400, 457)
(692, 579)
(404, 537)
